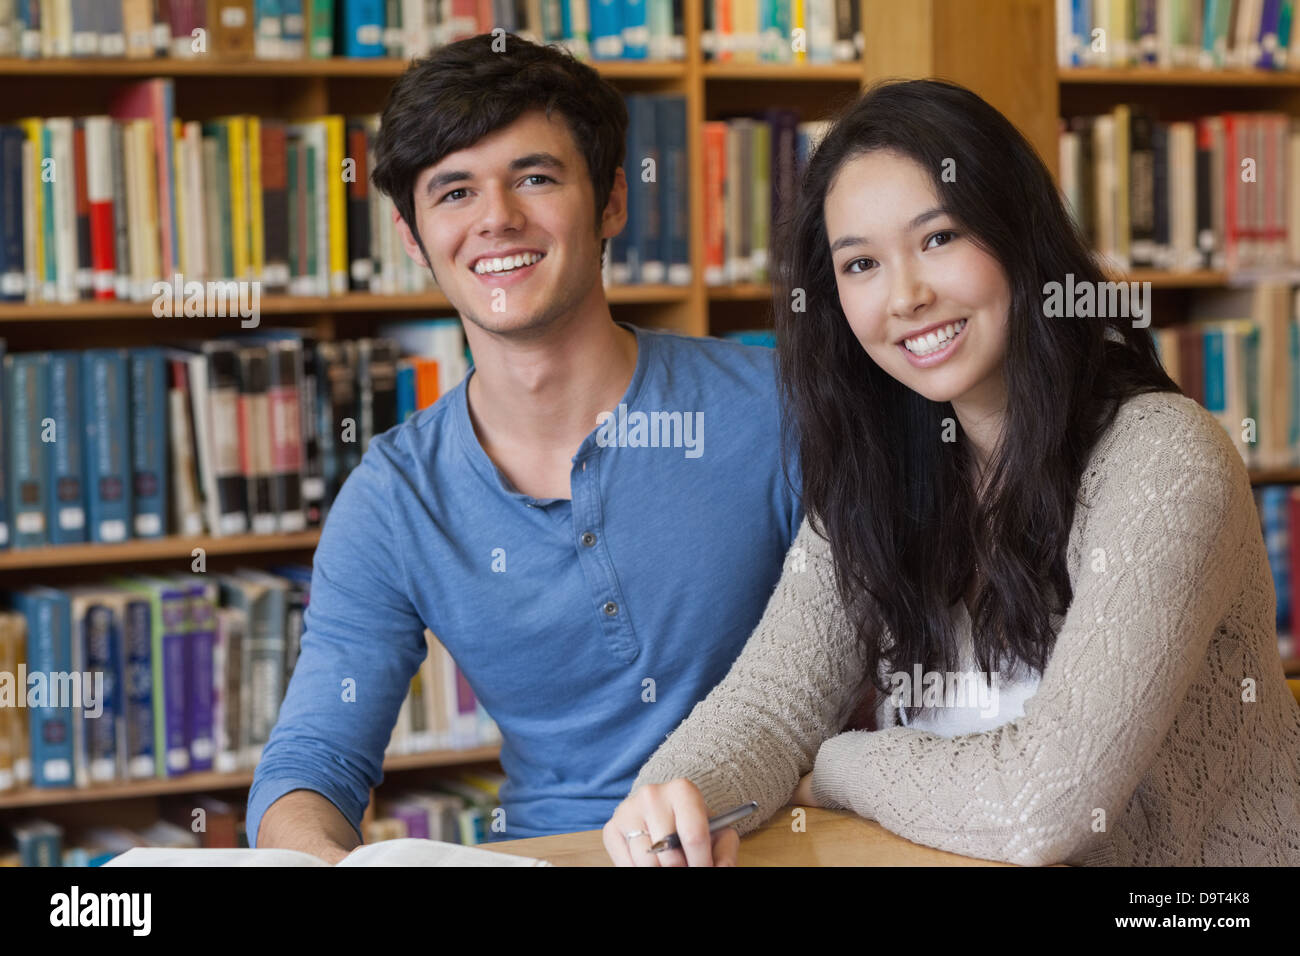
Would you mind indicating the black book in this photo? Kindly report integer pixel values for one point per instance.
(255, 436)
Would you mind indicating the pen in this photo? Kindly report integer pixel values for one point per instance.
(673, 842)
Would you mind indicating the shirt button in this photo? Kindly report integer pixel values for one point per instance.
(588, 538)
(611, 608)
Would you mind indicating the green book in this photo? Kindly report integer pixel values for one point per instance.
(320, 32)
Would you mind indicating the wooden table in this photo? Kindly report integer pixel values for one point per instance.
(829, 838)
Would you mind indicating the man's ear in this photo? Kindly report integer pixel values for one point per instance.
(408, 241)
(614, 217)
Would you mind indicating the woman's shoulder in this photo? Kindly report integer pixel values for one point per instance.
(1161, 440)
(1165, 431)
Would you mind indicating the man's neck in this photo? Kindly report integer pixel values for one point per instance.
(544, 394)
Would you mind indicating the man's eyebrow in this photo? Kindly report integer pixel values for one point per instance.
(541, 159)
(921, 220)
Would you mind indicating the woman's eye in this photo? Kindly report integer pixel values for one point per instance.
(848, 266)
(948, 233)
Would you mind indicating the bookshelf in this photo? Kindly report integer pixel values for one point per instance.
(1003, 49)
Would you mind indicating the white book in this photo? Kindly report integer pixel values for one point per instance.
(403, 852)
(65, 207)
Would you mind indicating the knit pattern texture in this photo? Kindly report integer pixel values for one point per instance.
(1162, 732)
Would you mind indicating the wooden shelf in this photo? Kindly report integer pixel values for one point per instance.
(352, 302)
(784, 72)
(1152, 76)
(153, 549)
(335, 67)
(197, 782)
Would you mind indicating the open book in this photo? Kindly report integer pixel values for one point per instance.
(404, 852)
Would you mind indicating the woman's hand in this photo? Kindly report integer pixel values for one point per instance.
(657, 810)
(803, 795)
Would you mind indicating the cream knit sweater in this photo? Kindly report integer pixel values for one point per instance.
(1162, 731)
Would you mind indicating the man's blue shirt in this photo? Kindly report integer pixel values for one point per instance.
(588, 628)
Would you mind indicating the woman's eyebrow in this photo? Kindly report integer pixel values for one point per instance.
(917, 222)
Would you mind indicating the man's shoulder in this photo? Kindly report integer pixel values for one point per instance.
(723, 362)
(418, 438)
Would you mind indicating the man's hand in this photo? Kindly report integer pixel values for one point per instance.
(657, 810)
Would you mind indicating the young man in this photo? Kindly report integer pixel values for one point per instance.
(591, 586)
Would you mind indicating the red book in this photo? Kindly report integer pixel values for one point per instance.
(99, 193)
(715, 210)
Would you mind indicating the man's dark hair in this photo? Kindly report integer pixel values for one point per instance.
(461, 92)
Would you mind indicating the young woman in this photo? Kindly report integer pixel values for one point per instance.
(1020, 506)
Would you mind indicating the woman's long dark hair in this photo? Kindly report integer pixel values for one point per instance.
(896, 503)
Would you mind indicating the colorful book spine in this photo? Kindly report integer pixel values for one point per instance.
(139, 755)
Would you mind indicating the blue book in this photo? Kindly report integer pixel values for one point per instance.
(66, 505)
(405, 390)
(763, 337)
(361, 27)
(645, 242)
(293, 29)
(1216, 396)
(606, 29)
(268, 29)
(49, 652)
(25, 405)
(136, 743)
(1274, 504)
(674, 194)
(105, 386)
(202, 627)
(149, 448)
(1268, 38)
(96, 653)
(13, 279)
(4, 487)
(169, 638)
(636, 30)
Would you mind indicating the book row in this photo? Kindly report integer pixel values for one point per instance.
(245, 434)
(752, 166)
(782, 31)
(1219, 192)
(123, 205)
(453, 808)
(144, 677)
(1199, 34)
(1239, 357)
(297, 29)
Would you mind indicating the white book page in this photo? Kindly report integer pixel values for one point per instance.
(413, 852)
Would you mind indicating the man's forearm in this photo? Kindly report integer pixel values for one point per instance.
(304, 820)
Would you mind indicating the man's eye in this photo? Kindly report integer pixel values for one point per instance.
(540, 176)
(450, 194)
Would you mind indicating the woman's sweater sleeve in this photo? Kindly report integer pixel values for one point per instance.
(1159, 558)
(756, 733)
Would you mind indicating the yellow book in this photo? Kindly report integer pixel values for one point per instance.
(152, 234)
(1123, 230)
(798, 21)
(337, 198)
(235, 127)
(32, 129)
(256, 227)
